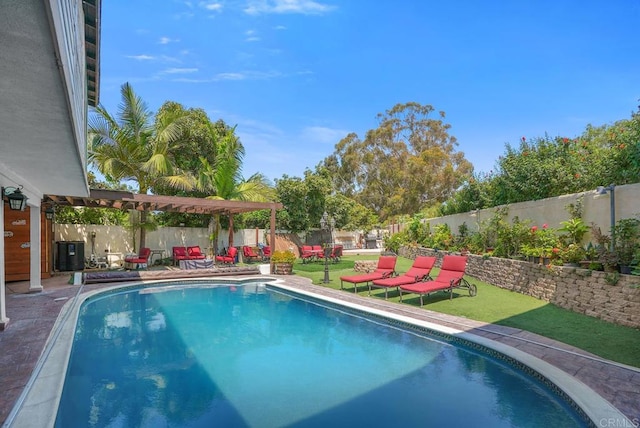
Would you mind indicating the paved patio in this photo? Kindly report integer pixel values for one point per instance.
(32, 317)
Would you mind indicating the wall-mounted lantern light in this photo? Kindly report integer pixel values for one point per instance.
(17, 199)
(49, 213)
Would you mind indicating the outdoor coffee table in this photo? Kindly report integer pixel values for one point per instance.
(196, 264)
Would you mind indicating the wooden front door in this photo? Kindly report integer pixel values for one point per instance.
(17, 245)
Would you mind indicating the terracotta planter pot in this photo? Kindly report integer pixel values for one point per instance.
(283, 268)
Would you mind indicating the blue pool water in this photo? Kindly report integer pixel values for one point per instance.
(250, 356)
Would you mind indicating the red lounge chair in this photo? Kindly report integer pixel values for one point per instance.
(386, 268)
(230, 257)
(248, 254)
(179, 253)
(419, 271)
(451, 276)
(194, 253)
(138, 261)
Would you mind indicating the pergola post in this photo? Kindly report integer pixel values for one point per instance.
(272, 235)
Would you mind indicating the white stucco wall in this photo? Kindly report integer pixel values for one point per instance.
(552, 211)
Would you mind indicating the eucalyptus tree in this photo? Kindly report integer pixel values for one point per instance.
(132, 146)
(409, 161)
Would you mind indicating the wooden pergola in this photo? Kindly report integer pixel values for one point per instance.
(118, 199)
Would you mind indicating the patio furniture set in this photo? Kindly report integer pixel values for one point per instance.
(312, 253)
(417, 280)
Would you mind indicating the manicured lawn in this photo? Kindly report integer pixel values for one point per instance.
(498, 306)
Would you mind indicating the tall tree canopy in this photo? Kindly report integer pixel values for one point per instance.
(131, 147)
(409, 160)
(545, 167)
(223, 179)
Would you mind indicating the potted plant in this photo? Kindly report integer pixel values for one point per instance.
(574, 230)
(283, 262)
(626, 242)
(591, 260)
(572, 255)
(607, 257)
(530, 253)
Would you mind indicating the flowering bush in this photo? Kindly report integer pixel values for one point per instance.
(283, 257)
(572, 253)
(545, 239)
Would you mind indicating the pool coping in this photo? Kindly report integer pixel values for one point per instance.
(37, 405)
(594, 406)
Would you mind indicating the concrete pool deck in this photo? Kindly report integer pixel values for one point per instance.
(32, 317)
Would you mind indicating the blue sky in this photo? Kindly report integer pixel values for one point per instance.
(296, 76)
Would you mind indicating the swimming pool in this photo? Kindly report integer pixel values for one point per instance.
(38, 404)
(252, 355)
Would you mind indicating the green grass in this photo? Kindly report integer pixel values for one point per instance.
(503, 307)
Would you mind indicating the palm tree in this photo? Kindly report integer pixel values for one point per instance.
(224, 181)
(131, 147)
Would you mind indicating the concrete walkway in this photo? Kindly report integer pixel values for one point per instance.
(32, 317)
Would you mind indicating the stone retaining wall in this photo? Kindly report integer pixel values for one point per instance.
(611, 297)
(366, 266)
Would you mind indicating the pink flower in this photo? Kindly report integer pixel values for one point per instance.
(534, 228)
(544, 226)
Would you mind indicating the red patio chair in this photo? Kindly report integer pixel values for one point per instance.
(179, 253)
(229, 258)
(318, 251)
(248, 254)
(451, 276)
(138, 261)
(195, 253)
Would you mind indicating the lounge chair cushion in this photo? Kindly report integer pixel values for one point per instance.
(141, 257)
(451, 272)
(194, 253)
(385, 268)
(180, 253)
(419, 271)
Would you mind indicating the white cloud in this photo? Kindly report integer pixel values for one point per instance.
(305, 7)
(273, 151)
(211, 6)
(142, 57)
(322, 135)
(251, 36)
(166, 58)
(229, 76)
(167, 40)
(247, 75)
(264, 150)
(180, 70)
(280, 27)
